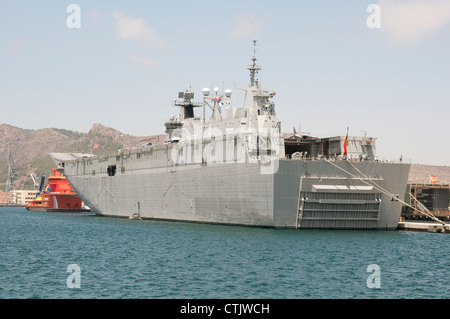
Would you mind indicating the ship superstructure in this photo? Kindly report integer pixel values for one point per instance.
(238, 168)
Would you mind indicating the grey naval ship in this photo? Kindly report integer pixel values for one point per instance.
(236, 167)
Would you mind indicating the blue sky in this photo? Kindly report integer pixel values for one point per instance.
(126, 63)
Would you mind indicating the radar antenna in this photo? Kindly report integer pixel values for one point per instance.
(254, 68)
(187, 106)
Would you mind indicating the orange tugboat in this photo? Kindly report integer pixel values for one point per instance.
(57, 197)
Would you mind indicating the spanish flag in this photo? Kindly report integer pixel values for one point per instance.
(344, 151)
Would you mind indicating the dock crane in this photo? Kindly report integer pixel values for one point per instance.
(11, 173)
(35, 181)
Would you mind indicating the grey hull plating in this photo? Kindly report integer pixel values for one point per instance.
(239, 194)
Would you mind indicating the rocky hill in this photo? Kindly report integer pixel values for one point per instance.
(30, 148)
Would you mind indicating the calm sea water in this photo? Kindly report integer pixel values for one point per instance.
(121, 258)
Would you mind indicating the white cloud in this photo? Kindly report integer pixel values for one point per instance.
(137, 30)
(142, 61)
(95, 15)
(411, 20)
(244, 25)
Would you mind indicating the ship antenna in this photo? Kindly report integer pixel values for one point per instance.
(254, 68)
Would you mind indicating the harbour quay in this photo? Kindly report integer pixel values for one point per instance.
(424, 226)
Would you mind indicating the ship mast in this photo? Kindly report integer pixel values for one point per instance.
(257, 100)
(254, 68)
(186, 104)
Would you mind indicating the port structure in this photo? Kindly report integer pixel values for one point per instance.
(12, 173)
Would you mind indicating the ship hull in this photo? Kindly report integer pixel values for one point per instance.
(57, 197)
(53, 210)
(57, 203)
(299, 194)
